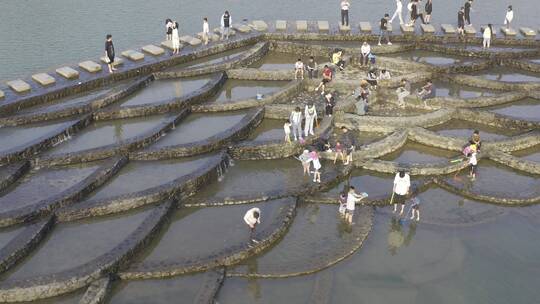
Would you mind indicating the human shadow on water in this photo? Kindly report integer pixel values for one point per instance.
(396, 235)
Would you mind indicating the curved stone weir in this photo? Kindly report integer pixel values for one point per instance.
(70, 298)
(201, 133)
(526, 109)
(414, 153)
(531, 154)
(236, 90)
(138, 184)
(496, 184)
(451, 90)
(508, 75)
(76, 253)
(195, 288)
(216, 59)
(464, 129)
(102, 138)
(10, 173)
(277, 61)
(225, 242)
(476, 50)
(317, 239)
(425, 120)
(429, 57)
(527, 164)
(268, 130)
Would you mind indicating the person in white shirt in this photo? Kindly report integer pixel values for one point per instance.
(473, 162)
(175, 38)
(310, 113)
(299, 69)
(287, 130)
(365, 50)
(345, 12)
(205, 31)
(488, 31)
(509, 17)
(352, 199)
(398, 12)
(252, 219)
(296, 122)
(226, 21)
(385, 74)
(402, 183)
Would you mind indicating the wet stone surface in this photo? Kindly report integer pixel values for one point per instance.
(269, 129)
(527, 109)
(464, 129)
(413, 153)
(20, 136)
(238, 90)
(508, 75)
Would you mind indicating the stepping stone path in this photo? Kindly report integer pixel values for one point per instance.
(211, 36)
(117, 61)
(259, 25)
(90, 66)
(153, 50)
(281, 25)
(19, 86)
(324, 26)
(67, 72)
(448, 28)
(242, 28)
(527, 31)
(219, 31)
(44, 79)
(133, 55)
(344, 29)
(301, 26)
(508, 32)
(405, 29)
(470, 30)
(168, 44)
(365, 27)
(427, 28)
(190, 40)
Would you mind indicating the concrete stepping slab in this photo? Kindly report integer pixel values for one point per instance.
(281, 25)
(427, 28)
(259, 25)
(117, 61)
(168, 44)
(90, 66)
(190, 40)
(344, 29)
(527, 31)
(219, 31)
(323, 26)
(448, 28)
(67, 72)
(470, 30)
(19, 86)
(406, 29)
(153, 50)
(365, 27)
(211, 36)
(133, 55)
(44, 79)
(2, 94)
(301, 26)
(508, 32)
(241, 28)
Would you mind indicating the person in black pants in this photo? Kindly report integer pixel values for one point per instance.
(468, 7)
(461, 21)
(429, 9)
(109, 53)
(345, 12)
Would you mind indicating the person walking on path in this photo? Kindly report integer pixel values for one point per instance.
(168, 29)
(175, 38)
(398, 12)
(296, 122)
(468, 9)
(365, 50)
(420, 12)
(428, 10)
(330, 103)
(509, 17)
(310, 113)
(226, 21)
(402, 184)
(345, 12)
(461, 21)
(252, 218)
(205, 30)
(109, 53)
(384, 29)
(352, 199)
(488, 32)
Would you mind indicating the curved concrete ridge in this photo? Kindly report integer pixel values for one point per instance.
(238, 131)
(523, 64)
(364, 223)
(320, 50)
(210, 287)
(61, 111)
(244, 73)
(97, 291)
(363, 123)
(44, 142)
(103, 152)
(23, 244)
(433, 139)
(66, 197)
(11, 173)
(165, 106)
(479, 82)
(485, 197)
(245, 58)
(479, 102)
(513, 162)
(452, 50)
(495, 119)
(515, 143)
(439, 168)
(70, 280)
(226, 257)
(183, 187)
(289, 90)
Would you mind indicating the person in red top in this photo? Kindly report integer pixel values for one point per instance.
(326, 78)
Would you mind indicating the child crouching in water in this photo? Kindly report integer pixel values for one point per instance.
(287, 129)
(305, 159)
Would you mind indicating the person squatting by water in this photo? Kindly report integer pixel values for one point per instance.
(427, 92)
(296, 122)
(226, 21)
(365, 51)
(337, 60)
(402, 184)
(310, 115)
(109, 53)
(326, 78)
(252, 218)
(345, 5)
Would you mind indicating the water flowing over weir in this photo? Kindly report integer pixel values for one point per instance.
(139, 180)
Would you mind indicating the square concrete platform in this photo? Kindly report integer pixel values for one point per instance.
(508, 32)
(68, 73)
(241, 28)
(90, 66)
(281, 25)
(365, 27)
(427, 28)
(344, 28)
(19, 86)
(211, 36)
(44, 79)
(405, 29)
(448, 28)
(259, 25)
(153, 50)
(527, 31)
(117, 60)
(470, 30)
(190, 40)
(323, 26)
(301, 26)
(133, 55)
(219, 31)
